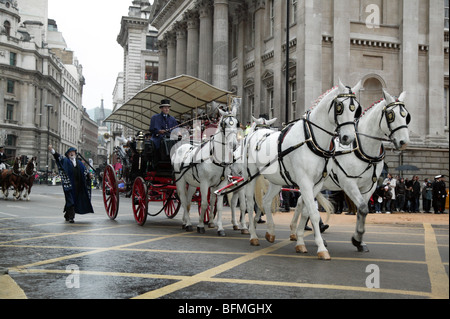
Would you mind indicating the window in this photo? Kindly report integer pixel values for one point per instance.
(7, 26)
(293, 101)
(271, 105)
(446, 6)
(253, 29)
(151, 71)
(446, 115)
(12, 58)
(151, 43)
(272, 18)
(10, 86)
(293, 11)
(9, 112)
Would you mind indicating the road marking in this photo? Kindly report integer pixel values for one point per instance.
(157, 293)
(436, 270)
(10, 290)
(9, 214)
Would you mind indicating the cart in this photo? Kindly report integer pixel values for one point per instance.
(191, 98)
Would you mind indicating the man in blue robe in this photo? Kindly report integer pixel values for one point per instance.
(161, 124)
(75, 181)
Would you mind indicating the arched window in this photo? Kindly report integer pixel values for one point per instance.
(372, 91)
(7, 26)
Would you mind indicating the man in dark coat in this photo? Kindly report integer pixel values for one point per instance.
(161, 124)
(439, 194)
(75, 181)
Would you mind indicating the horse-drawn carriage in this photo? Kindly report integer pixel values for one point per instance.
(149, 173)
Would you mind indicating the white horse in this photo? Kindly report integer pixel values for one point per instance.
(236, 170)
(356, 171)
(298, 155)
(206, 166)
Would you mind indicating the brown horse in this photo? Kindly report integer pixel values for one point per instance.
(28, 176)
(11, 177)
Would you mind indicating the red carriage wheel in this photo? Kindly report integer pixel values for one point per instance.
(139, 201)
(110, 190)
(172, 204)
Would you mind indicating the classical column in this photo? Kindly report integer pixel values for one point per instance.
(220, 44)
(309, 56)
(181, 48)
(436, 117)
(205, 41)
(242, 14)
(171, 55)
(259, 51)
(341, 42)
(192, 43)
(410, 62)
(162, 72)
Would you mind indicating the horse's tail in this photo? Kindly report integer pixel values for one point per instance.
(261, 187)
(326, 204)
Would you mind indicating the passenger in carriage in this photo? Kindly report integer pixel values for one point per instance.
(161, 124)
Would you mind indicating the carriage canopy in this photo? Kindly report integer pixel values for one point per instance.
(186, 93)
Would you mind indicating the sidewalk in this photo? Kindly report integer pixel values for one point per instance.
(393, 218)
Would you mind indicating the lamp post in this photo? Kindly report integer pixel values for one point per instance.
(48, 106)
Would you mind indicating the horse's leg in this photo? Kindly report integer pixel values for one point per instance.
(212, 206)
(181, 189)
(220, 230)
(294, 221)
(249, 193)
(300, 230)
(267, 203)
(204, 204)
(243, 208)
(314, 215)
(233, 204)
(361, 203)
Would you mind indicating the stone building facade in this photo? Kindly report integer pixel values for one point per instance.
(141, 61)
(397, 45)
(30, 79)
(41, 84)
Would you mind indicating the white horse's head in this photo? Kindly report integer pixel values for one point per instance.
(395, 120)
(229, 125)
(344, 110)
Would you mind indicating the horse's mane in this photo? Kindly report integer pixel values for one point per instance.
(367, 110)
(322, 97)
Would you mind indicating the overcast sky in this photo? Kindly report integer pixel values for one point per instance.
(90, 28)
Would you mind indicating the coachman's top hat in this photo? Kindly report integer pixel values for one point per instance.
(165, 102)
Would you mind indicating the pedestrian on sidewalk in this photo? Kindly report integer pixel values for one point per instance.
(439, 194)
(75, 180)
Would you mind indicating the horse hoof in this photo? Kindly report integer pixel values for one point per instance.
(236, 227)
(324, 255)
(270, 238)
(301, 249)
(293, 237)
(221, 233)
(201, 230)
(189, 228)
(245, 232)
(183, 226)
(360, 246)
(211, 225)
(254, 242)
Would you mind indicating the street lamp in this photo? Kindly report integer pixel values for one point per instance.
(48, 106)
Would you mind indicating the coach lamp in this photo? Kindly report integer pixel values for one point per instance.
(140, 146)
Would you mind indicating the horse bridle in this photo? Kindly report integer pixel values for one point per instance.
(389, 115)
(339, 108)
